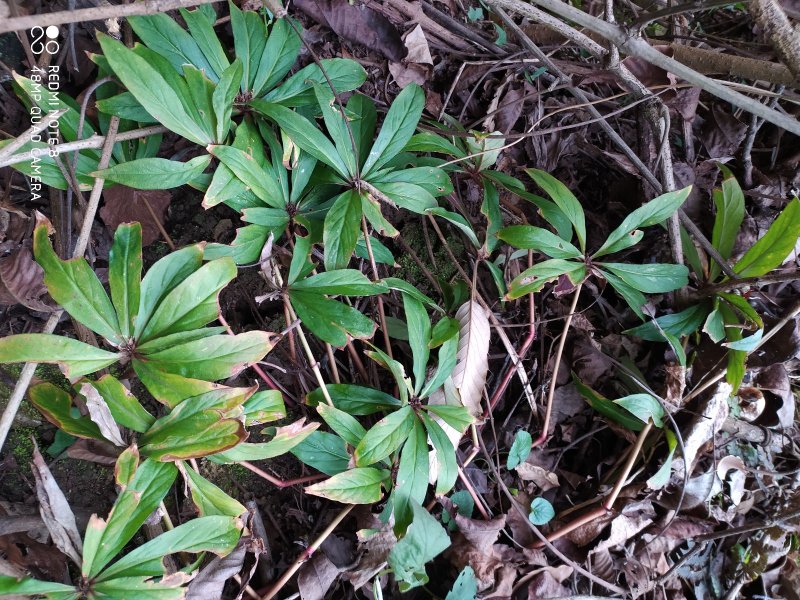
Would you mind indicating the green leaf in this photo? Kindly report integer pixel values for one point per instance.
(75, 358)
(104, 539)
(278, 56)
(263, 407)
(217, 534)
(285, 439)
(644, 407)
(330, 320)
(28, 586)
(345, 282)
(208, 498)
(565, 200)
(223, 97)
(677, 324)
(140, 588)
(124, 407)
(350, 430)
(355, 486)
(419, 335)
(650, 278)
(362, 116)
(747, 344)
(343, 73)
(458, 221)
(337, 129)
(434, 181)
(198, 426)
(381, 254)
(193, 302)
(542, 512)
(250, 40)
(444, 329)
(324, 452)
(168, 388)
(486, 148)
(447, 362)
(607, 408)
(162, 278)
(401, 285)
(56, 406)
(303, 133)
(490, 207)
(661, 477)
(154, 173)
(466, 585)
(445, 455)
(655, 211)
(741, 305)
(257, 179)
(770, 251)
(424, 541)
(457, 417)
(202, 29)
(73, 284)
(534, 278)
(386, 436)
(632, 296)
(520, 449)
(212, 358)
(714, 326)
(412, 477)
(355, 399)
(427, 141)
(397, 128)
(180, 337)
(729, 202)
(397, 370)
(409, 196)
(535, 238)
(125, 274)
(341, 231)
(152, 91)
(162, 34)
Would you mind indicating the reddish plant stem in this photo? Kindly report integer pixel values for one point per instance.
(281, 483)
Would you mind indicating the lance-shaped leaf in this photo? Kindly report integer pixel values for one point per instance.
(154, 93)
(344, 282)
(257, 179)
(201, 26)
(330, 320)
(223, 97)
(457, 220)
(397, 128)
(193, 302)
(650, 278)
(154, 173)
(445, 456)
(198, 426)
(447, 362)
(676, 324)
(162, 34)
(168, 388)
(536, 238)
(124, 406)
(74, 358)
(336, 126)
(341, 230)
(344, 75)
(472, 358)
(263, 407)
(631, 295)
(412, 476)
(27, 586)
(771, 250)
(419, 335)
(208, 498)
(342, 423)
(162, 278)
(534, 278)
(655, 211)
(101, 414)
(73, 284)
(217, 534)
(212, 358)
(323, 451)
(55, 510)
(167, 588)
(279, 55)
(56, 406)
(285, 439)
(386, 436)
(104, 539)
(125, 274)
(565, 200)
(355, 399)
(435, 182)
(607, 407)
(729, 203)
(409, 196)
(355, 486)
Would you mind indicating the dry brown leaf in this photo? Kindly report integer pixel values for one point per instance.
(417, 47)
(22, 280)
(634, 518)
(101, 415)
(472, 358)
(126, 205)
(211, 579)
(544, 479)
(99, 451)
(55, 510)
(316, 576)
(375, 542)
(356, 23)
(703, 428)
(547, 583)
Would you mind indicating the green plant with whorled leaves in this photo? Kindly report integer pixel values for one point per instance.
(725, 315)
(157, 324)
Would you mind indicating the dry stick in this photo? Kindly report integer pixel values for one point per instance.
(28, 370)
(556, 364)
(779, 277)
(95, 141)
(306, 554)
(635, 46)
(579, 95)
(24, 138)
(100, 13)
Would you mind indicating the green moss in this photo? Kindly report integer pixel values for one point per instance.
(21, 443)
(442, 268)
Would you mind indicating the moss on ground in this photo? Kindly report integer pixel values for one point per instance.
(442, 268)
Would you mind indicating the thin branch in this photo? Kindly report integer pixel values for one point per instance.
(24, 138)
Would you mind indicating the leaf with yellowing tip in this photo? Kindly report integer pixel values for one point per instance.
(355, 486)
